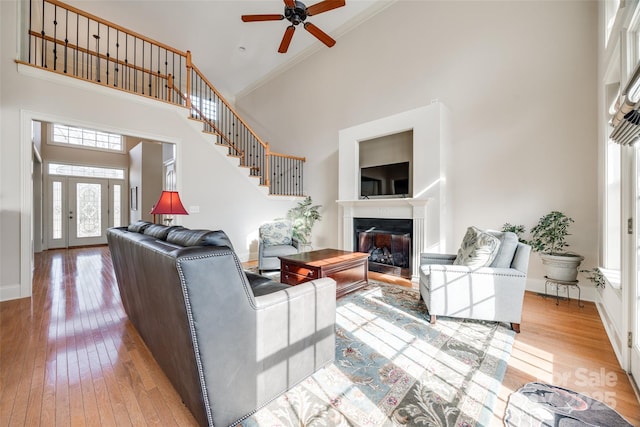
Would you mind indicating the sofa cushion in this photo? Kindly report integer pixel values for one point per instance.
(139, 226)
(261, 285)
(276, 233)
(186, 237)
(507, 249)
(159, 231)
(478, 248)
(217, 238)
(279, 250)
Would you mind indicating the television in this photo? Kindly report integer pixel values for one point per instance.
(391, 180)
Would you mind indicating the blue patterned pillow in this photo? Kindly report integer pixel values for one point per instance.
(478, 248)
(276, 233)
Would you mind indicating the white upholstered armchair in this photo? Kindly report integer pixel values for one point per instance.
(275, 240)
(493, 292)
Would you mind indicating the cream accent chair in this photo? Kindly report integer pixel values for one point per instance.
(494, 293)
(275, 239)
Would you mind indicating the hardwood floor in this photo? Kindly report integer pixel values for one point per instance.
(567, 346)
(68, 355)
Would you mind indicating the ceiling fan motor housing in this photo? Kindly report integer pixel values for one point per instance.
(296, 15)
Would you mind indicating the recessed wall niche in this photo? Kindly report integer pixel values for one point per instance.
(386, 165)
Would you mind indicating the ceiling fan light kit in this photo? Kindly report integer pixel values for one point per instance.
(296, 13)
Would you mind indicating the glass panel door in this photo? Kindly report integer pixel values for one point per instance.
(88, 211)
(79, 210)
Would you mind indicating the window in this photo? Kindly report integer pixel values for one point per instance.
(56, 218)
(86, 138)
(611, 9)
(209, 109)
(86, 171)
(613, 230)
(117, 208)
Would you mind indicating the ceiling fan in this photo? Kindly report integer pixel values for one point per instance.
(296, 13)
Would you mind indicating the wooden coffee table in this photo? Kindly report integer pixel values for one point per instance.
(348, 269)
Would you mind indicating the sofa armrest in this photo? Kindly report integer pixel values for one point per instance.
(258, 346)
(432, 258)
(309, 290)
(296, 333)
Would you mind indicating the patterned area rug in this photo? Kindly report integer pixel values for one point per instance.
(394, 368)
(538, 404)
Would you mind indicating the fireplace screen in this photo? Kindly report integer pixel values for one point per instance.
(388, 244)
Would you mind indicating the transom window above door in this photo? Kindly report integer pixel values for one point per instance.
(86, 138)
(85, 171)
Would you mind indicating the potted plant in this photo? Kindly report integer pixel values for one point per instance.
(303, 217)
(548, 237)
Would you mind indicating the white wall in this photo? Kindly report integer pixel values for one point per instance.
(226, 197)
(519, 79)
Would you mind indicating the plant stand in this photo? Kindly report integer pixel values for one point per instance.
(567, 285)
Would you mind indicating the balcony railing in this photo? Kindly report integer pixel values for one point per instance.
(69, 41)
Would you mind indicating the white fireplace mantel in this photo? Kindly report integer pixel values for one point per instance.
(397, 208)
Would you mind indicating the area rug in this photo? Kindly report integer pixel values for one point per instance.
(394, 368)
(538, 404)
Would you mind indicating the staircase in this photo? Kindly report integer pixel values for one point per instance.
(71, 42)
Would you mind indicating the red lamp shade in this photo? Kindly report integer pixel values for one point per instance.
(169, 204)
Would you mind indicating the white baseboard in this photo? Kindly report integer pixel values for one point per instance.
(9, 292)
(618, 343)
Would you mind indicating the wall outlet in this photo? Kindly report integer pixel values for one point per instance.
(194, 209)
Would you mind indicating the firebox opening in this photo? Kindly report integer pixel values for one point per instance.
(388, 243)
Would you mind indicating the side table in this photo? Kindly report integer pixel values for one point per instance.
(566, 284)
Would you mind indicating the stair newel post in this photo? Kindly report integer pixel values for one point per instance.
(267, 153)
(188, 93)
(169, 87)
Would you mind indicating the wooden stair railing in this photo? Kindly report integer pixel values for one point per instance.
(71, 42)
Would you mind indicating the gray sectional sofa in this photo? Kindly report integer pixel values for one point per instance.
(230, 341)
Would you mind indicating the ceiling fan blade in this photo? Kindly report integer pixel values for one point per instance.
(286, 39)
(255, 18)
(324, 6)
(319, 34)
(290, 3)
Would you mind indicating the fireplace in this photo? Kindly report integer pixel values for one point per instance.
(388, 241)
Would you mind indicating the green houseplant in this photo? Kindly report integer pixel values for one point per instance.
(549, 238)
(518, 229)
(303, 217)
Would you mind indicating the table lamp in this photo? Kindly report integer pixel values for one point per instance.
(168, 204)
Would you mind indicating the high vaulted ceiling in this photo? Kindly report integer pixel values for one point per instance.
(235, 56)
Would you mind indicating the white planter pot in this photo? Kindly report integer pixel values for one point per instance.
(562, 267)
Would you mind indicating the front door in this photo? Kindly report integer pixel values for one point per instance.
(88, 211)
(81, 210)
